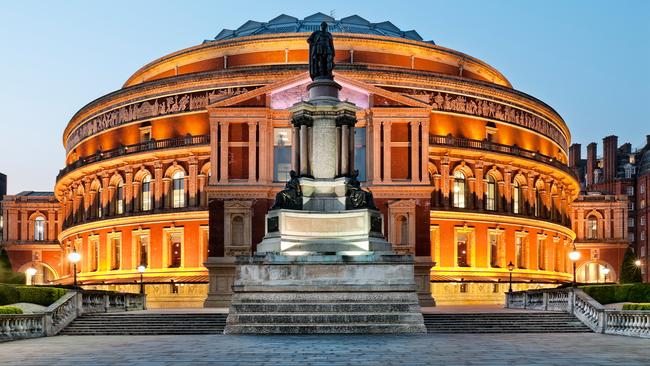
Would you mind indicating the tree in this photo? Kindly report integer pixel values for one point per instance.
(7, 275)
(630, 273)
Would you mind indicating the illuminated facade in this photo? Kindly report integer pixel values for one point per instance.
(182, 163)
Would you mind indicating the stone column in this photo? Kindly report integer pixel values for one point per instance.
(607, 232)
(580, 224)
(415, 152)
(350, 149)
(479, 184)
(191, 186)
(252, 152)
(508, 189)
(214, 151)
(224, 153)
(51, 225)
(424, 147)
(128, 190)
(137, 199)
(158, 185)
(345, 149)
(387, 153)
(24, 225)
(422, 274)
(444, 179)
(304, 159)
(375, 156)
(295, 149)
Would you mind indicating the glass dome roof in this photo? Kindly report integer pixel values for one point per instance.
(288, 24)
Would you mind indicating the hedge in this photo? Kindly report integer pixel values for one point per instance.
(10, 310)
(642, 306)
(45, 296)
(8, 295)
(608, 294)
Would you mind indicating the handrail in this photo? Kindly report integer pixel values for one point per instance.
(65, 310)
(152, 144)
(486, 145)
(635, 323)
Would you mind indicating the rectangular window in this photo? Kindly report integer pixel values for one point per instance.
(642, 221)
(630, 191)
(541, 254)
(630, 206)
(493, 239)
(116, 246)
(175, 250)
(281, 154)
(462, 247)
(119, 209)
(94, 254)
(642, 235)
(642, 188)
(143, 250)
(519, 257)
(642, 203)
(630, 222)
(178, 191)
(146, 195)
(360, 152)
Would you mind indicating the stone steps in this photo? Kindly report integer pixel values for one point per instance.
(322, 318)
(325, 328)
(322, 307)
(532, 322)
(146, 324)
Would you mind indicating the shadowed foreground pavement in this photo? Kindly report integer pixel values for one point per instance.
(443, 349)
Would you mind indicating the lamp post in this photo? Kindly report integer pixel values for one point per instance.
(637, 263)
(574, 255)
(605, 272)
(141, 269)
(511, 267)
(74, 257)
(30, 272)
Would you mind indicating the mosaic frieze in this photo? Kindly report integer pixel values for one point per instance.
(167, 105)
(441, 101)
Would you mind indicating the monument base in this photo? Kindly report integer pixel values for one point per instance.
(324, 294)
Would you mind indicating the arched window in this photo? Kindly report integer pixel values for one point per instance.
(39, 228)
(459, 189)
(178, 189)
(145, 194)
(516, 197)
(491, 194)
(97, 203)
(237, 230)
(119, 199)
(592, 227)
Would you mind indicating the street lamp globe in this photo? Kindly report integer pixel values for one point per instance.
(574, 255)
(637, 263)
(605, 271)
(31, 271)
(141, 268)
(511, 267)
(74, 257)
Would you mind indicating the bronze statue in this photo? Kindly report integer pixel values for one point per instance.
(291, 196)
(321, 53)
(357, 197)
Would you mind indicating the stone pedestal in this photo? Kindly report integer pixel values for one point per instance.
(422, 274)
(279, 294)
(221, 273)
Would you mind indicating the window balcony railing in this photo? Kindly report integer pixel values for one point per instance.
(150, 145)
(486, 145)
(86, 218)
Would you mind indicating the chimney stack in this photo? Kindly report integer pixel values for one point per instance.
(610, 145)
(591, 163)
(575, 155)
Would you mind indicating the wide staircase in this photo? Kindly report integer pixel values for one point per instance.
(147, 324)
(504, 322)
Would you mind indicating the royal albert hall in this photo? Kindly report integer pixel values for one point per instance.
(177, 169)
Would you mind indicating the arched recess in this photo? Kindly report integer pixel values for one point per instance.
(518, 200)
(593, 225)
(592, 272)
(44, 272)
(143, 190)
(116, 191)
(37, 226)
(540, 198)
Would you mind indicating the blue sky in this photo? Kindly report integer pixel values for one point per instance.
(587, 59)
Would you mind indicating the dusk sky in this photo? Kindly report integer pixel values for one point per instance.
(587, 59)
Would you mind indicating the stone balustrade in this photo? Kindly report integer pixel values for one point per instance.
(61, 313)
(634, 323)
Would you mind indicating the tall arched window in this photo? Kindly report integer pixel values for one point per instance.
(592, 227)
(97, 203)
(119, 199)
(145, 194)
(39, 228)
(491, 194)
(516, 197)
(459, 189)
(178, 189)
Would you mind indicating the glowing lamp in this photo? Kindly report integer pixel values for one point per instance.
(74, 257)
(637, 263)
(30, 271)
(574, 255)
(141, 268)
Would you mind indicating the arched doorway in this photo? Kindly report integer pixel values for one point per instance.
(594, 272)
(44, 273)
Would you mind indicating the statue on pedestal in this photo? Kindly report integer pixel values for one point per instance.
(291, 196)
(321, 54)
(355, 196)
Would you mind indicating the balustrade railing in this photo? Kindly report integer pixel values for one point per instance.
(575, 301)
(174, 142)
(58, 315)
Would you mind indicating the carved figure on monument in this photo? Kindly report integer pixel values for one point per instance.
(357, 197)
(291, 196)
(321, 53)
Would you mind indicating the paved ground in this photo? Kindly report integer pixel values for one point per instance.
(463, 349)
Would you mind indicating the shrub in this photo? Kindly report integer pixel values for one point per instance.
(45, 296)
(10, 310)
(6, 274)
(629, 272)
(8, 295)
(639, 293)
(641, 306)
